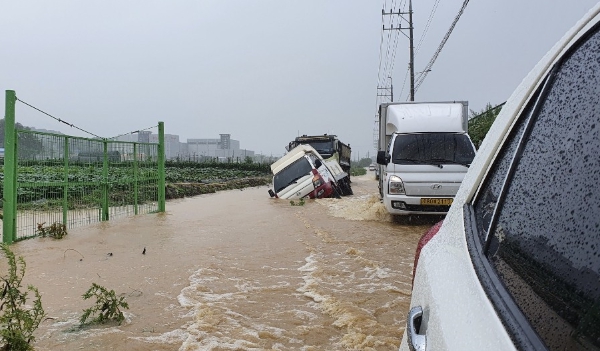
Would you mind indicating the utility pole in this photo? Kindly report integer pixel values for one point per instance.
(410, 28)
(412, 52)
(386, 90)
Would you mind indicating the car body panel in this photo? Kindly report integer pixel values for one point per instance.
(458, 314)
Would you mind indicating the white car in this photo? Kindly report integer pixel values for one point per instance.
(515, 265)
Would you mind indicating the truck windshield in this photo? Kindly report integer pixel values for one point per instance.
(291, 174)
(433, 148)
(325, 148)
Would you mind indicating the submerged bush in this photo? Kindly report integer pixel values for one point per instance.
(108, 306)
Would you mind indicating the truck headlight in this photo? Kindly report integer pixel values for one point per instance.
(396, 186)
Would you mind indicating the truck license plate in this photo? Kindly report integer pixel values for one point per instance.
(437, 202)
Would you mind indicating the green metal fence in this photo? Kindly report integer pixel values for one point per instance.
(54, 178)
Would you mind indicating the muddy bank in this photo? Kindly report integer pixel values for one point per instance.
(181, 190)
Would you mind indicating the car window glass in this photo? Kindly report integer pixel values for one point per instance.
(546, 244)
(440, 147)
(485, 204)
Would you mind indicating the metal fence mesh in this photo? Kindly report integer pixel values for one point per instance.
(78, 181)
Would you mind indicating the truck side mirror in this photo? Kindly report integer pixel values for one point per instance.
(318, 163)
(383, 158)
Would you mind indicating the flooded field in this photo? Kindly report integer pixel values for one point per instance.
(235, 270)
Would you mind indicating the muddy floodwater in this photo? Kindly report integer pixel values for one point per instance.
(235, 270)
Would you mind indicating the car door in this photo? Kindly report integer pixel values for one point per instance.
(534, 226)
(516, 264)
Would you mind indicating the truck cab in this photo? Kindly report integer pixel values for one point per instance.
(333, 152)
(302, 173)
(427, 155)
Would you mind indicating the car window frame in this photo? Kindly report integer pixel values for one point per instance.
(517, 325)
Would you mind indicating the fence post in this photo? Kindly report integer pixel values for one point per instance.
(161, 167)
(66, 181)
(10, 175)
(105, 182)
(135, 178)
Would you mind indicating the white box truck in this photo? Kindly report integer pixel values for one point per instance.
(424, 152)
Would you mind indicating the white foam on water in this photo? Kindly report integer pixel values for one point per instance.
(226, 315)
(173, 337)
(357, 208)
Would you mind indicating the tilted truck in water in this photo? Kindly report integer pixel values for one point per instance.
(330, 148)
(303, 173)
(424, 152)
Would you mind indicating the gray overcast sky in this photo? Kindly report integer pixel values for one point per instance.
(262, 71)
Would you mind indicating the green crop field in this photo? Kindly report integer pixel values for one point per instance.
(42, 182)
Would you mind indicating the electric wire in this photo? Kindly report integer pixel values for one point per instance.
(397, 40)
(58, 119)
(486, 111)
(380, 56)
(427, 25)
(135, 131)
(427, 69)
(404, 83)
(387, 54)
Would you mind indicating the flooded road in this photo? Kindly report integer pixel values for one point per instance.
(234, 270)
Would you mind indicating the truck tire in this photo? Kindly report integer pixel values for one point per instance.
(336, 191)
(346, 188)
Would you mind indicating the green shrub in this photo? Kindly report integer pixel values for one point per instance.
(357, 171)
(17, 321)
(301, 202)
(108, 306)
(56, 230)
(480, 123)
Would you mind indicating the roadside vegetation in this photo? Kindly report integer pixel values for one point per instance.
(21, 314)
(358, 168)
(480, 122)
(18, 319)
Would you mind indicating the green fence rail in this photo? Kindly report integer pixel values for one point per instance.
(55, 178)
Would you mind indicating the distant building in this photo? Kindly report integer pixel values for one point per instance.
(173, 148)
(223, 148)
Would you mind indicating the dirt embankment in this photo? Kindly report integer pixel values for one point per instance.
(180, 190)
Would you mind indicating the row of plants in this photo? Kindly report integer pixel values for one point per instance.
(174, 172)
(84, 182)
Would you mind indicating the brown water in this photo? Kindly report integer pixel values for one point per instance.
(234, 270)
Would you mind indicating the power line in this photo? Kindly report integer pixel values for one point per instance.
(400, 28)
(400, 13)
(389, 40)
(58, 119)
(431, 14)
(404, 82)
(135, 131)
(486, 111)
(427, 69)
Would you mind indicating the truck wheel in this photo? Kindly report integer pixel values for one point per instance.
(346, 188)
(349, 189)
(336, 191)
